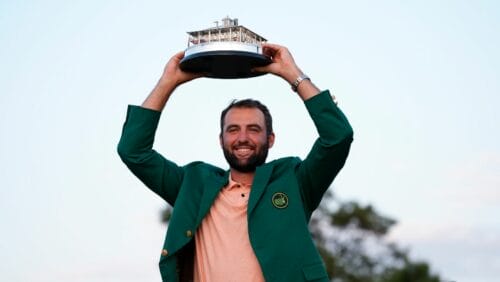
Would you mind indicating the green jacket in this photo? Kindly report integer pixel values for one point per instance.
(283, 196)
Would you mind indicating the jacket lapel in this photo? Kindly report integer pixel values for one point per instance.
(210, 191)
(262, 175)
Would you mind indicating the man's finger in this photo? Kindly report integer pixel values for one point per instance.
(260, 69)
(179, 55)
(271, 45)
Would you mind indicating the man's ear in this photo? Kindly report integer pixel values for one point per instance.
(220, 141)
(270, 140)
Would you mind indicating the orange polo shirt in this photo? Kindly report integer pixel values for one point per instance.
(223, 250)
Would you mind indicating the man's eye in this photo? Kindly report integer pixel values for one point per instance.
(254, 129)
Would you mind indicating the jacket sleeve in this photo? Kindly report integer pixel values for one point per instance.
(136, 150)
(329, 152)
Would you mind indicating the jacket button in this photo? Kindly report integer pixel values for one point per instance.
(189, 233)
(164, 253)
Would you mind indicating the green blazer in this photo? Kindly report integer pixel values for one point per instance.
(283, 196)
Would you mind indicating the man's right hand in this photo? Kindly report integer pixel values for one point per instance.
(172, 74)
(172, 77)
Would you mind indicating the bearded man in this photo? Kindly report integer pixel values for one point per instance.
(247, 223)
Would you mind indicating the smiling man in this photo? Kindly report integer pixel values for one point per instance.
(245, 135)
(247, 223)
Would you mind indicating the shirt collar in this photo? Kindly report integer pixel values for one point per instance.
(233, 184)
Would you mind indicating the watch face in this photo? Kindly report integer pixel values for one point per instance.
(298, 81)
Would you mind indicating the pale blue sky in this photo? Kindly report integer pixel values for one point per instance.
(419, 81)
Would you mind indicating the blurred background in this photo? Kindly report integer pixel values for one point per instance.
(418, 81)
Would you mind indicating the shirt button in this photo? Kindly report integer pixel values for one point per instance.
(189, 233)
(164, 253)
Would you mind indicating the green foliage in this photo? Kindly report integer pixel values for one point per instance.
(417, 272)
(350, 238)
(364, 218)
(166, 214)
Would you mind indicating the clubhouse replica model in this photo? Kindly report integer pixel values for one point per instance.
(228, 50)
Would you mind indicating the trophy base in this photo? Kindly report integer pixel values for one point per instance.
(225, 64)
(224, 59)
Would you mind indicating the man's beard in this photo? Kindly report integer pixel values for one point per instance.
(258, 158)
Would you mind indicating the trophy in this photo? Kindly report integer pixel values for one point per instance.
(228, 50)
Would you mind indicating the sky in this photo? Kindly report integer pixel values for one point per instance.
(418, 80)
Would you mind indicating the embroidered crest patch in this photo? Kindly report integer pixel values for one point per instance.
(280, 200)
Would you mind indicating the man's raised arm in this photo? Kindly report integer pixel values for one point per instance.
(329, 152)
(172, 77)
(284, 66)
(136, 143)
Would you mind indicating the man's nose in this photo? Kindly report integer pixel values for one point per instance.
(242, 136)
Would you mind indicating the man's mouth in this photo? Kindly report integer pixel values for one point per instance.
(243, 152)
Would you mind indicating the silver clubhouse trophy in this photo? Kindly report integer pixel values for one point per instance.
(227, 50)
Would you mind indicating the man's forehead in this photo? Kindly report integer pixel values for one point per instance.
(244, 115)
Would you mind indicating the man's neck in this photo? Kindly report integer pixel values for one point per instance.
(242, 177)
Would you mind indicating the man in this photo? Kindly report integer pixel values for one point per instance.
(248, 223)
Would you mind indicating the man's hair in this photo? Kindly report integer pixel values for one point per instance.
(251, 104)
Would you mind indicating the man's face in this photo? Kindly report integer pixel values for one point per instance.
(244, 139)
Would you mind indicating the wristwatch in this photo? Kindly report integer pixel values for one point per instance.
(297, 81)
